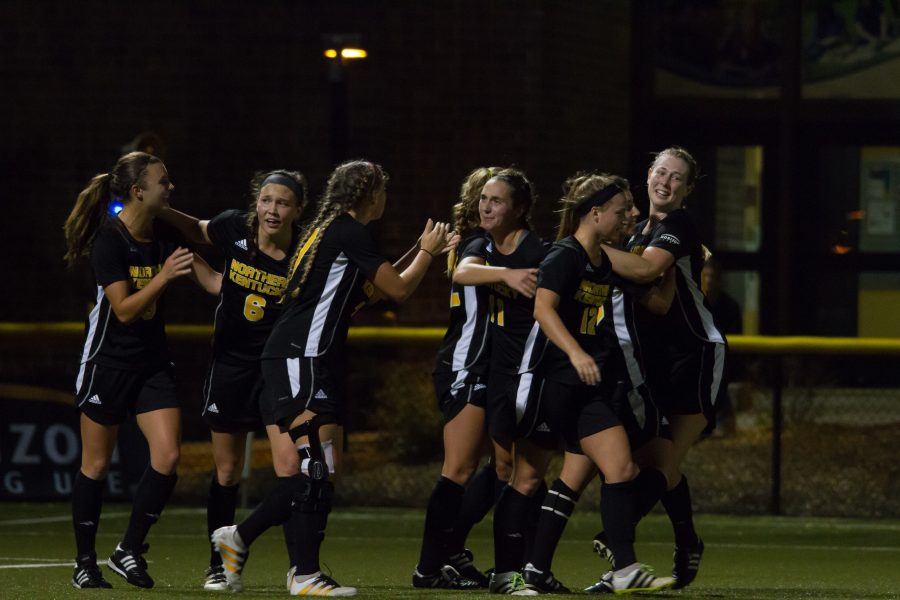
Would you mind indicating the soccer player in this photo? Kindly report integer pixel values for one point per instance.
(508, 269)
(685, 351)
(257, 245)
(125, 367)
(303, 359)
(460, 380)
(572, 384)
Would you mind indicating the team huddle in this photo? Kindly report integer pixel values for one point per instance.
(599, 346)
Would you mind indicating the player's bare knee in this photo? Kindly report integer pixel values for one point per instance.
(165, 460)
(229, 474)
(95, 469)
(286, 464)
(621, 473)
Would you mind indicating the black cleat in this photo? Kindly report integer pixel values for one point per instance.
(601, 547)
(130, 564)
(87, 574)
(447, 578)
(603, 586)
(542, 581)
(464, 564)
(687, 564)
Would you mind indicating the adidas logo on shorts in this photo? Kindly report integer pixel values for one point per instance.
(321, 395)
(543, 428)
(95, 399)
(478, 386)
(242, 244)
(213, 408)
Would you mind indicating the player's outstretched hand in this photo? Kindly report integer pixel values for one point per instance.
(434, 239)
(453, 239)
(178, 264)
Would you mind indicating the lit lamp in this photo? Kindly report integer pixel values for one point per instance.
(341, 49)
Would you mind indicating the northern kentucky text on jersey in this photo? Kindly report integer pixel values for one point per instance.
(256, 279)
(141, 275)
(593, 294)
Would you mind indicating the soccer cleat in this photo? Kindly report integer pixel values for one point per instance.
(290, 576)
(319, 584)
(464, 564)
(602, 549)
(447, 578)
(687, 564)
(234, 555)
(87, 574)
(131, 565)
(542, 582)
(215, 579)
(510, 583)
(604, 586)
(640, 579)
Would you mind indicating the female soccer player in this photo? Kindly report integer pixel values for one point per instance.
(571, 383)
(685, 351)
(508, 269)
(460, 379)
(257, 245)
(125, 367)
(303, 360)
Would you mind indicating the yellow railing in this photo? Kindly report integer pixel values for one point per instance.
(743, 344)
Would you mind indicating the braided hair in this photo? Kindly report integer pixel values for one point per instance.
(349, 186)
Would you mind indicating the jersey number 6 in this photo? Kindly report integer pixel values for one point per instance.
(253, 307)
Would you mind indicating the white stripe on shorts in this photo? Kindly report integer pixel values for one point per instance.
(293, 371)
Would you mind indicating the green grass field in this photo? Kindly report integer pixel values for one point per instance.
(375, 550)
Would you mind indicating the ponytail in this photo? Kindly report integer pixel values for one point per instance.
(87, 215)
(91, 207)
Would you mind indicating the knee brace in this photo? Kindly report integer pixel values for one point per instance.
(317, 467)
(312, 495)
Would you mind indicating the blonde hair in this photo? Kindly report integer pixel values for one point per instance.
(578, 189)
(678, 152)
(349, 185)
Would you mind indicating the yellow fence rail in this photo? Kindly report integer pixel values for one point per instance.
(743, 344)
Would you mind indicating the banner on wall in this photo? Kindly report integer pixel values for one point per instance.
(40, 447)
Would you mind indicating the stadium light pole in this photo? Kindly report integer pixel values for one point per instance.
(341, 48)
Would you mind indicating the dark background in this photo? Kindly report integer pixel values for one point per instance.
(551, 86)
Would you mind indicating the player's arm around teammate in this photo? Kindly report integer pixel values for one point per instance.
(460, 377)
(125, 367)
(303, 360)
(257, 245)
(570, 384)
(687, 352)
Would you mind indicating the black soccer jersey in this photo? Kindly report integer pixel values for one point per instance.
(586, 309)
(315, 324)
(116, 256)
(511, 313)
(251, 288)
(689, 322)
(465, 345)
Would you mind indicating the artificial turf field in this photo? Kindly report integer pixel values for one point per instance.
(376, 549)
